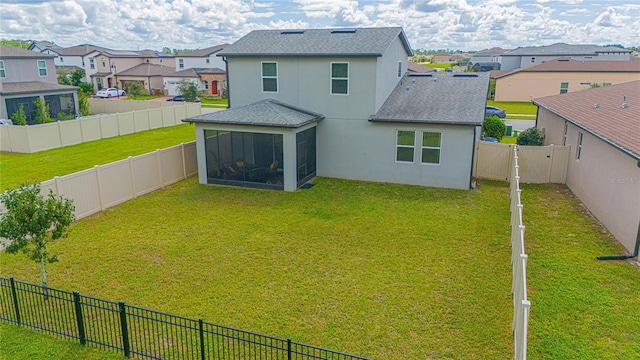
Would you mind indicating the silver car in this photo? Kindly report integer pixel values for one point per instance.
(110, 92)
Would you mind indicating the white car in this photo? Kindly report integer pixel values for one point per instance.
(110, 92)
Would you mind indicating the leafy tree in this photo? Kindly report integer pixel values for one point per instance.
(83, 103)
(531, 136)
(86, 87)
(19, 117)
(64, 79)
(76, 77)
(135, 89)
(188, 90)
(494, 127)
(32, 221)
(42, 112)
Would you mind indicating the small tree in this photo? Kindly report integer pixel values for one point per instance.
(531, 136)
(494, 127)
(19, 117)
(135, 89)
(32, 221)
(83, 103)
(188, 90)
(42, 112)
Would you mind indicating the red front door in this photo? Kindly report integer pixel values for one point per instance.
(214, 87)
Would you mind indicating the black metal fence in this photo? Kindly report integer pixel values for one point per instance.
(142, 333)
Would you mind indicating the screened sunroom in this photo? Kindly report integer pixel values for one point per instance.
(267, 144)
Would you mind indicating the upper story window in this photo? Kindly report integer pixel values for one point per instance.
(399, 68)
(431, 146)
(61, 59)
(42, 67)
(269, 77)
(405, 145)
(579, 147)
(207, 60)
(92, 63)
(104, 64)
(564, 88)
(3, 73)
(181, 63)
(533, 60)
(340, 78)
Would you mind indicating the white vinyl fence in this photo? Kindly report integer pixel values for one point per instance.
(538, 164)
(104, 186)
(34, 138)
(519, 266)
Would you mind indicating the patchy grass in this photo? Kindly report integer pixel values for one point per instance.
(508, 140)
(36, 167)
(514, 107)
(20, 343)
(438, 66)
(210, 100)
(381, 270)
(144, 97)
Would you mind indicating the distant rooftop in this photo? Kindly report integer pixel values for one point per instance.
(562, 49)
(204, 52)
(12, 52)
(570, 65)
(28, 87)
(601, 112)
(317, 42)
(147, 69)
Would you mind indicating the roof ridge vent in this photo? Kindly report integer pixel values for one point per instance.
(420, 75)
(343, 31)
(465, 75)
(289, 32)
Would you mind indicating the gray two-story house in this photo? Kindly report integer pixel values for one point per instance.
(338, 103)
(28, 75)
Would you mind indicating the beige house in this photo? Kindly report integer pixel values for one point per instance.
(602, 126)
(561, 76)
(151, 76)
(110, 62)
(441, 58)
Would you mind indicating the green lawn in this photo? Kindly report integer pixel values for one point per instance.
(210, 100)
(436, 66)
(144, 97)
(380, 270)
(19, 343)
(36, 167)
(516, 108)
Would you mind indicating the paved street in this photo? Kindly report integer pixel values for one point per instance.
(521, 124)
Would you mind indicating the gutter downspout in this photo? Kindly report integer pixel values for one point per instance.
(624, 257)
(226, 65)
(473, 158)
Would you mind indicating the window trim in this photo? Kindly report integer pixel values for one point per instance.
(92, 63)
(331, 78)
(406, 146)
(566, 89)
(180, 63)
(44, 62)
(3, 71)
(579, 147)
(422, 147)
(263, 76)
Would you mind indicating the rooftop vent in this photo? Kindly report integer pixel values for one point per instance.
(596, 105)
(465, 75)
(624, 105)
(420, 74)
(343, 31)
(288, 32)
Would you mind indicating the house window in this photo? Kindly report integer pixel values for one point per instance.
(61, 59)
(405, 145)
(399, 68)
(564, 88)
(181, 63)
(104, 64)
(269, 77)
(533, 59)
(42, 67)
(431, 146)
(579, 148)
(340, 78)
(92, 63)
(206, 85)
(99, 83)
(82, 62)
(3, 73)
(564, 136)
(207, 61)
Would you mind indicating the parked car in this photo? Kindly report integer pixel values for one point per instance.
(6, 122)
(495, 111)
(110, 92)
(181, 98)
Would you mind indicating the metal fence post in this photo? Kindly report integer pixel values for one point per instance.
(79, 318)
(15, 300)
(125, 329)
(200, 325)
(289, 349)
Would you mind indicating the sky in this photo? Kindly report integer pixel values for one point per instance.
(428, 24)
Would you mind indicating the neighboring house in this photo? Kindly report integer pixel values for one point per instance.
(417, 68)
(110, 62)
(486, 56)
(561, 76)
(532, 55)
(150, 76)
(202, 58)
(39, 46)
(441, 58)
(27, 75)
(338, 103)
(602, 126)
(80, 56)
(210, 81)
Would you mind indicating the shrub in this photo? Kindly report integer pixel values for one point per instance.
(64, 116)
(135, 89)
(531, 136)
(19, 117)
(42, 112)
(494, 127)
(188, 90)
(83, 103)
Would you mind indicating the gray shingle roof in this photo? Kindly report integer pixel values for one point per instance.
(317, 42)
(148, 69)
(78, 50)
(563, 49)
(262, 113)
(204, 52)
(9, 52)
(442, 98)
(27, 87)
